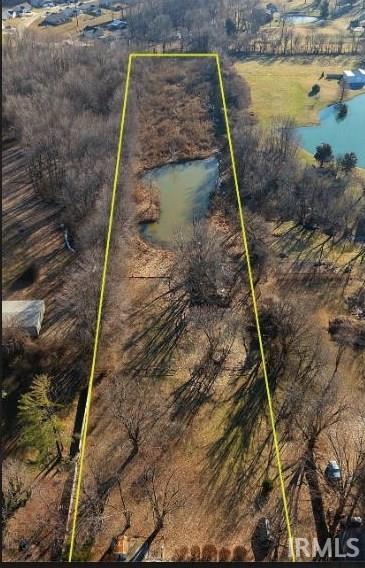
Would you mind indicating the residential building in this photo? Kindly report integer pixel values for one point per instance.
(354, 79)
(23, 315)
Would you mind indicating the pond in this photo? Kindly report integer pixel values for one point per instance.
(185, 189)
(299, 19)
(345, 135)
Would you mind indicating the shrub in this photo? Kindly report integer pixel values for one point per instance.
(195, 553)
(239, 554)
(314, 90)
(180, 554)
(224, 554)
(267, 486)
(348, 161)
(341, 111)
(209, 553)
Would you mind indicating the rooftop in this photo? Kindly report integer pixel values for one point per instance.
(23, 314)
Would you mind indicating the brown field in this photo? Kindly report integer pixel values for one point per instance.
(31, 234)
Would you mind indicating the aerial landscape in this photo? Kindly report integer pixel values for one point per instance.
(183, 302)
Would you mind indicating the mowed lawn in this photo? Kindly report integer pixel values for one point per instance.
(281, 86)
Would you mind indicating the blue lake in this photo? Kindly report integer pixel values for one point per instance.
(346, 135)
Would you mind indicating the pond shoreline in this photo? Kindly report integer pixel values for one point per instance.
(178, 190)
(353, 94)
(212, 153)
(343, 135)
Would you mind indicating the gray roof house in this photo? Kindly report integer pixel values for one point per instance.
(115, 25)
(23, 315)
(93, 31)
(56, 19)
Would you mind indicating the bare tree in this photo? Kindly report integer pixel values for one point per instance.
(322, 413)
(206, 272)
(349, 451)
(16, 488)
(165, 498)
(135, 409)
(219, 326)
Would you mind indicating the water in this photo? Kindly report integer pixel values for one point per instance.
(297, 19)
(184, 196)
(346, 135)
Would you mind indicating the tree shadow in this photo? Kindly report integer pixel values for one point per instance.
(151, 349)
(197, 390)
(27, 278)
(232, 464)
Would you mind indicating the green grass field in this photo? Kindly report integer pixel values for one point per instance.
(280, 86)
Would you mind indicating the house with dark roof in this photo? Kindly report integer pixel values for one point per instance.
(56, 19)
(92, 32)
(115, 25)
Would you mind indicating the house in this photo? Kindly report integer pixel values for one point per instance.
(116, 25)
(93, 11)
(354, 79)
(90, 9)
(62, 17)
(92, 32)
(23, 315)
(55, 19)
(19, 11)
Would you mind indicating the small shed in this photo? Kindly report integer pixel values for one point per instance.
(25, 315)
(334, 76)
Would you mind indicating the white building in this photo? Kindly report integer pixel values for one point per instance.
(354, 79)
(23, 315)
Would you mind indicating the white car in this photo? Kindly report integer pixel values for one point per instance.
(332, 472)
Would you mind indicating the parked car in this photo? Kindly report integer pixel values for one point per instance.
(354, 522)
(332, 472)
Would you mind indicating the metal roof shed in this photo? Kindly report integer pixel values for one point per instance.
(25, 315)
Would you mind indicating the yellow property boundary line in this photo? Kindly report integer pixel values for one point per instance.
(80, 463)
